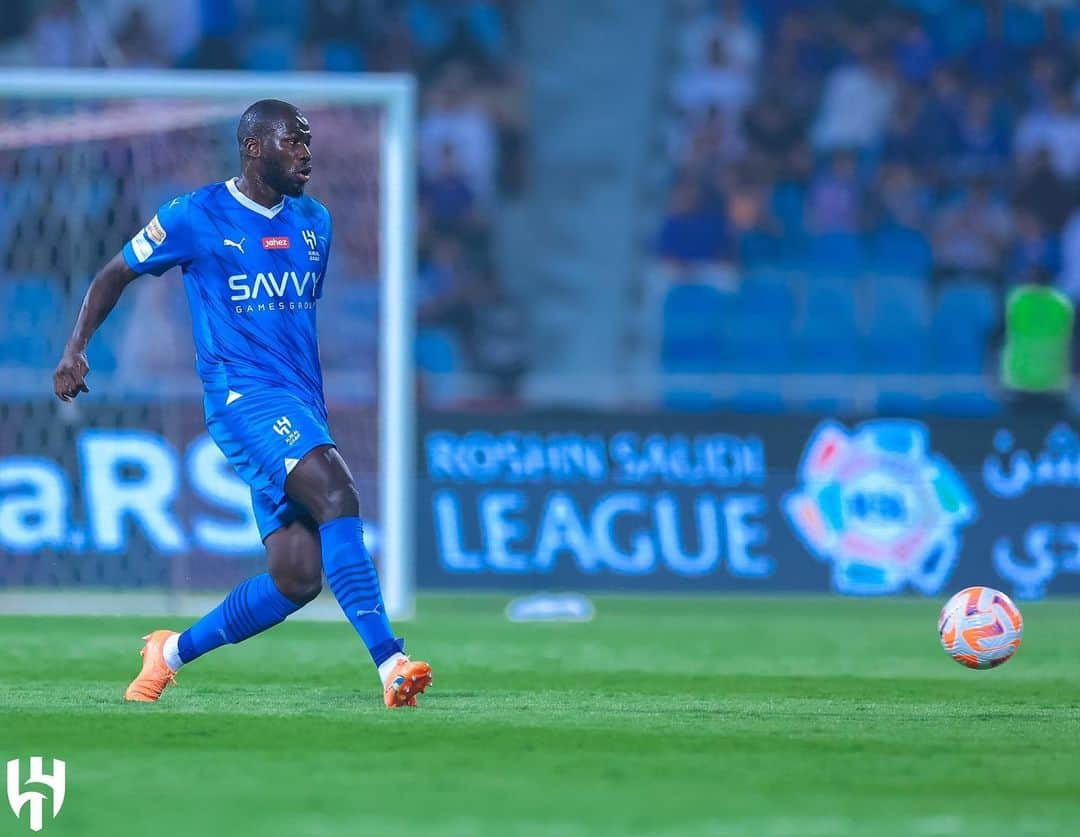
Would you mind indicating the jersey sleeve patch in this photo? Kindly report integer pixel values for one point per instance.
(141, 247)
(154, 231)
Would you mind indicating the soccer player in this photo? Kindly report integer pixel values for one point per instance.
(253, 252)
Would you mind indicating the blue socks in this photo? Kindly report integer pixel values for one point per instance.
(252, 607)
(257, 604)
(352, 578)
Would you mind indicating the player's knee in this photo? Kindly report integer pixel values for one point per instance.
(341, 502)
(299, 584)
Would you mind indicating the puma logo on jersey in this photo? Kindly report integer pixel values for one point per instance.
(239, 245)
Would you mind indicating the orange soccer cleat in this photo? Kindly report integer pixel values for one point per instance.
(407, 680)
(155, 674)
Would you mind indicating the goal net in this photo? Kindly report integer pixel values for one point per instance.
(121, 500)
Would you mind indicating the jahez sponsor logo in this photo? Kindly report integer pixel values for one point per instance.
(275, 242)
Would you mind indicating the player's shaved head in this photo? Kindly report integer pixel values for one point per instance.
(275, 147)
(266, 116)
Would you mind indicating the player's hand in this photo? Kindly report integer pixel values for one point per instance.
(69, 379)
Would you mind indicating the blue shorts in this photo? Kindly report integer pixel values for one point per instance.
(264, 434)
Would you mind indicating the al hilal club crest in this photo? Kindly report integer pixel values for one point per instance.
(878, 505)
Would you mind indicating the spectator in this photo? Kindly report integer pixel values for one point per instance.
(1035, 252)
(938, 125)
(1056, 130)
(138, 43)
(904, 141)
(834, 203)
(498, 337)
(858, 100)
(772, 128)
(707, 141)
(1069, 278)
(59, 37)
(982, 143)
(913, 51)
(720, 82)
(1039, 190)
(902, 197)
(446, 194)
(692, 233)
(971, 236)
(736, 34)
(455, 116)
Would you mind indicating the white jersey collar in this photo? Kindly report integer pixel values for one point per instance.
(244, 200)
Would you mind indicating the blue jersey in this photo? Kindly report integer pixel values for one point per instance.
(252, 276)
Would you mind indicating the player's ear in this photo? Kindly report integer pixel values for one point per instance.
(252, 147)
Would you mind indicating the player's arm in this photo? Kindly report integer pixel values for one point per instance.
(69, 379)
(163, 243)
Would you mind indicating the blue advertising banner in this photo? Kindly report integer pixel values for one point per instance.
(704, 503)
(136, 495)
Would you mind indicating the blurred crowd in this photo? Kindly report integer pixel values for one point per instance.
(954, 119)
(936, 139)
(472, 130)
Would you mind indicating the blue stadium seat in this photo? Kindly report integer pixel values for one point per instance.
(897, 306)
(695, 318)
(273, 50)
(787, 207)
(971, 300)
(30, 329)
(966, 314)
(438, 350)
(837, 254)
(759, 248)
(900, 250)
(824, 353)
(343, 57)
(766, 295)
(764, 353)
(896, 338)
(830, 308)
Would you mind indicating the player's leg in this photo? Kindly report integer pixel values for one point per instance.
(322, 484)
(253, 606)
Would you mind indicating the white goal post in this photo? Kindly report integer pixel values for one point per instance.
(395, 95)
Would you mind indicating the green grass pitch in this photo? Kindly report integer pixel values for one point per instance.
(724, 716)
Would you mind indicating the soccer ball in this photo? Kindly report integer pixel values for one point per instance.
(980, 627)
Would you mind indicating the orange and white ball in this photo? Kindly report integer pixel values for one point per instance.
(980, 627)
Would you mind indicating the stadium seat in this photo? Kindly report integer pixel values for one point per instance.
(694, 321)
(759, 248)
(271, 51)
(30, 327)
(972, 300)
(837, 255)
(766, 295)
(343, 57)
(966, 315)
(438, 351)
(901, 251)
(896, 336)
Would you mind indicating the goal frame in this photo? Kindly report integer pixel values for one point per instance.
(395, 94)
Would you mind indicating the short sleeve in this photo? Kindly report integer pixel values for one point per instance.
(164, 242)
(327, 233)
